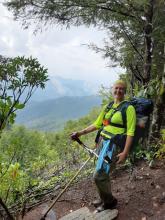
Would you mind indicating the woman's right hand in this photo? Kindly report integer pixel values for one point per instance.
(74, 135)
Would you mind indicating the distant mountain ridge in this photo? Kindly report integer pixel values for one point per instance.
(58, 87)
(51, 114)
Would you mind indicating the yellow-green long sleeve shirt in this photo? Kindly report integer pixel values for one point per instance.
(117, 118)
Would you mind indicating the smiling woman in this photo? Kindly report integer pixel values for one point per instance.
(109, 131)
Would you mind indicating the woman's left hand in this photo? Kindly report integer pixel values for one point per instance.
(122, 157)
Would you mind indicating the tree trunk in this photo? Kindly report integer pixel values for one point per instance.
(158, 120)
(148, 29)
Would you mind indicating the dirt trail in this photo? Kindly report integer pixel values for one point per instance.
(142, 198)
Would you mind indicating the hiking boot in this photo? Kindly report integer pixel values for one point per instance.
(111, 205)
(97, 202)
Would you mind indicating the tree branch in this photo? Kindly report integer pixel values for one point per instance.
(131, 41)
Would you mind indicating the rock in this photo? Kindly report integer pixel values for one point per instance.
(144, 218)
(126, 202)
(80, 214)
(132, 187)
(155, 205)
(163, 194)
(152, 164)
(85, 214)
(106, 215)
(139, 177)
(157, 187)
(154, 198)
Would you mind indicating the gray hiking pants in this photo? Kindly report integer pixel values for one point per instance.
(102, 180)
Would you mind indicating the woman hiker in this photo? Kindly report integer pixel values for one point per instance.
(111, 122)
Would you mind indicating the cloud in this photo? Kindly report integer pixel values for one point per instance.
(62, 51)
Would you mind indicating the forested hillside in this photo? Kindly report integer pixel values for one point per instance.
(34, 163)
(52, 114)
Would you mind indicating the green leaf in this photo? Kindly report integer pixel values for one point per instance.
(19, 106)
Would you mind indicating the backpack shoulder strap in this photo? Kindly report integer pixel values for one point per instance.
(109, 106)
(123, 112)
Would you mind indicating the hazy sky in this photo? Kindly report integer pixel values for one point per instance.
(61, 51)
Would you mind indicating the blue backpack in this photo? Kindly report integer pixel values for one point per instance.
(144, 108)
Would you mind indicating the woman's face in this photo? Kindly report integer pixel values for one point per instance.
(118, 91)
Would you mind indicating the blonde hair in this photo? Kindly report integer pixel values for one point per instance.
(121, 82)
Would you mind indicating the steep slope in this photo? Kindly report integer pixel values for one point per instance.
(141, 195)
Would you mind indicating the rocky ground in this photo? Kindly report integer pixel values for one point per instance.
(141, 196)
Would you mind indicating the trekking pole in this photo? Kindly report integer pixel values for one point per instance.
(90, 151)
(60, 194)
